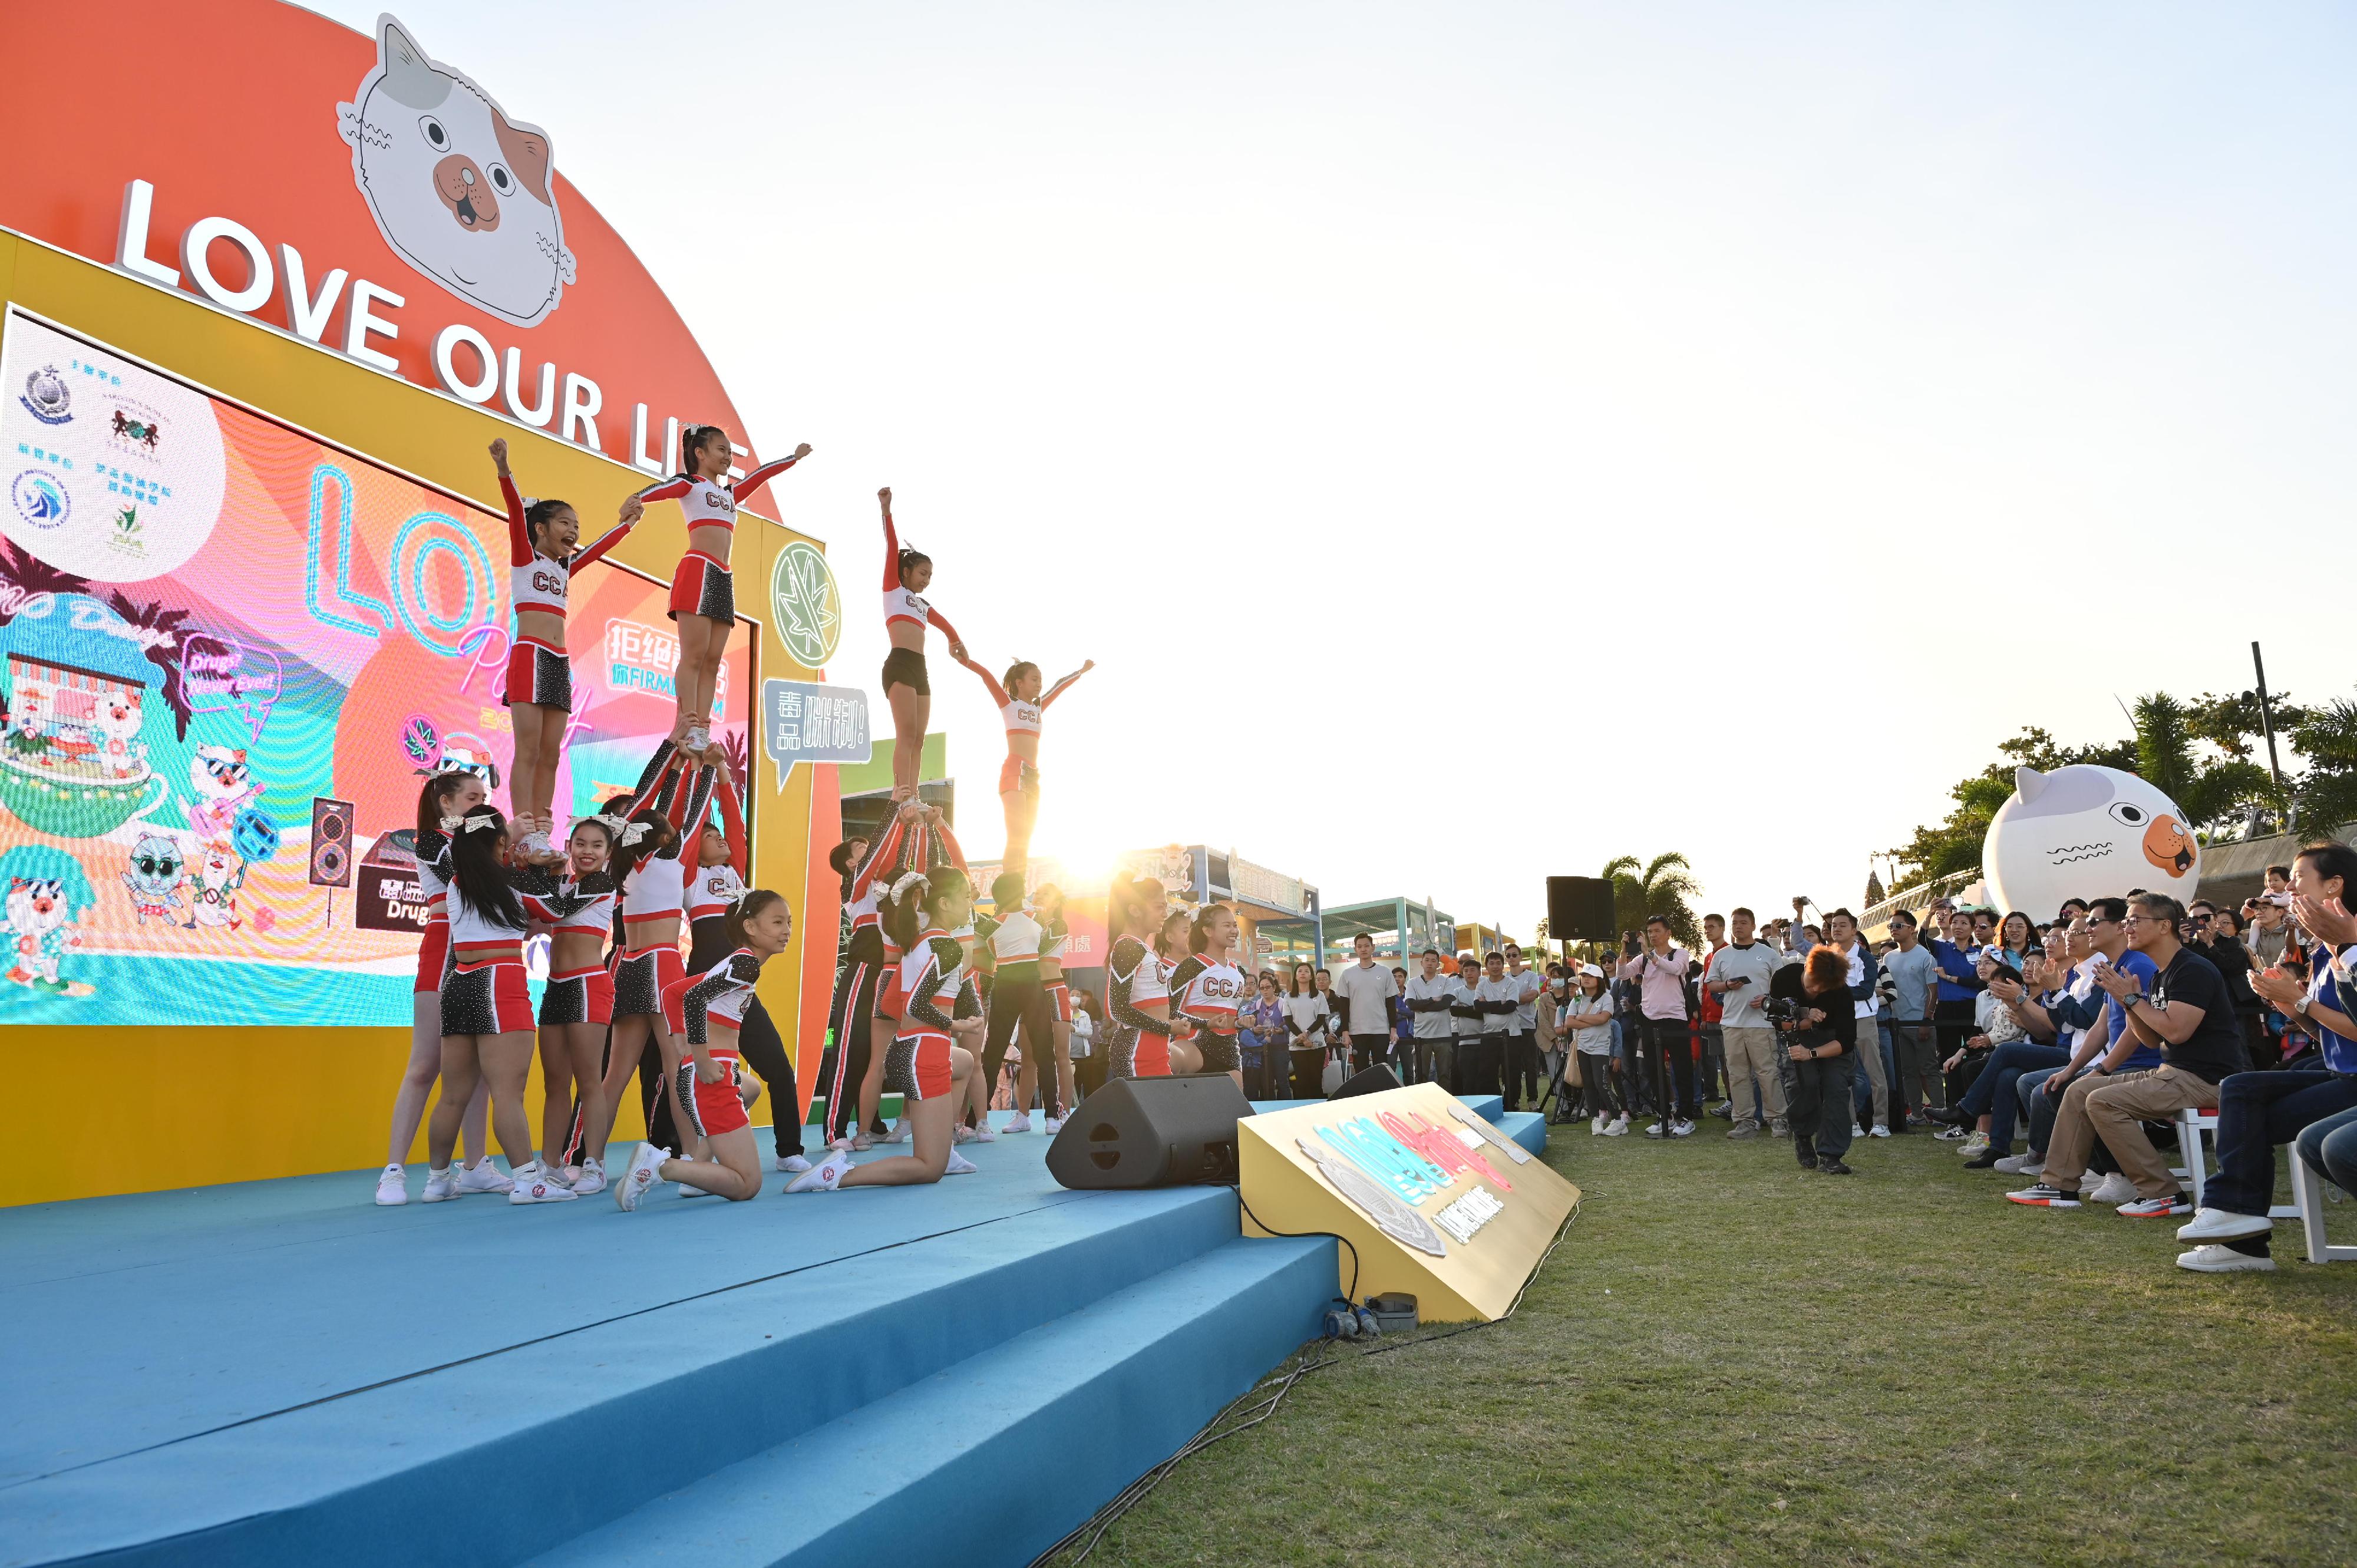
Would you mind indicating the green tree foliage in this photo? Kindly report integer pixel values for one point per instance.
(2327, 790)
(1955, 844)
(1663, 885)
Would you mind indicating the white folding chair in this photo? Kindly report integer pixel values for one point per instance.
(2307, 1190)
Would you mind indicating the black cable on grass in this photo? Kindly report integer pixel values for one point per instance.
(1270, 1393)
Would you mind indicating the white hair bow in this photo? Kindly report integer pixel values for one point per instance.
(452, 824)
(625, 832)
(468, 824)
(907, 880)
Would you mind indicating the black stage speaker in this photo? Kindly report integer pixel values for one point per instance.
(1580, 909)
(1374, 1080)
(331, 843)
(1151, 1132)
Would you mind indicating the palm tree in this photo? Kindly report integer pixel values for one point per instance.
(1663, 885)
(26, 577)
(164, 645)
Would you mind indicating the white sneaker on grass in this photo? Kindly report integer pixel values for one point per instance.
(532, 1184)
(440, 1186)
(2166, 1207)
(644, 1165)
(484, 1177)
(1974, 1146)
(2045, 1196)
(1618, 1127)
(824, 1176)
(2214, 1258)
(2223, 1225)
(1018, 1122)
(1877, 1131)
(393, 1186)
(2114, 1189)
(959, 1166)
(1855, 1132)
(2019, 1165)
(792, 1165)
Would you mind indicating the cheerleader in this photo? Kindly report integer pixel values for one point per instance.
(906, 575)
(486, 1006)
(931, 846)
(1055, 936)
(652, 828)
(1016, 996)
(541, 540)
(931, 1058)
(576, 1013)
(708, 1012)
(1021, 704)
(1208, 988)
(452, 794)
(1138, 992)
(703, 591)
(716, 889)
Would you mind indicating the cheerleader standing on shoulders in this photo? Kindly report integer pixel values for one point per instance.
(1021, 705)
(704, 591)
(1209, 988)
(541, 538)
(487, 1024)
(451, 795)
(1138, 992)
(708, 1012)
(713, 893)
(577, 1012)
(923, 1065)
(906, 575)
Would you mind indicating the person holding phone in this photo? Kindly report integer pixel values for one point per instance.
(1739, 977)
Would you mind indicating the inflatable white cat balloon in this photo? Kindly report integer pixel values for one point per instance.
(466, 195)
(2085, 832)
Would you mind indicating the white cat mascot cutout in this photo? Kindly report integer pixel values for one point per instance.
(2085, 832)
(465, 194)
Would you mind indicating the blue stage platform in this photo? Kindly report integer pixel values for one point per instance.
(280, 1372)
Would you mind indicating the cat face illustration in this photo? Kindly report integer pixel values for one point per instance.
(465, 194)
(219, 773)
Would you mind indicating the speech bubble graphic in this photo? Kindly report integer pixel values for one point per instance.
(801, 721)
(221, 675)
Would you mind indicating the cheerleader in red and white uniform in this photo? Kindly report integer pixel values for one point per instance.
(709, 1011)
(576, 1010)
(906, 575)
(1056, 936)
(541, 538)
(653, 828)
(931, 848)
(932, 1058)
(1208, 989)
(713, 891)
(704, 591)
(452, 795)
(487, 1024)
(1021, 704)
(1138, 983)
(868, 869)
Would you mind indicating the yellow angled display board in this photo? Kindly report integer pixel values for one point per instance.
(1429, 1193)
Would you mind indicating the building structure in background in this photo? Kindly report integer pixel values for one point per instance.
(867, 786)
(1402, 926)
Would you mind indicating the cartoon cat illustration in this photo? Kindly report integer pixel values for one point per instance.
(118, 723)
(28, 711)
(37, 932)
(154, 878)
(466, 195)
(222, 784)
(213, 885)
(2085, 832)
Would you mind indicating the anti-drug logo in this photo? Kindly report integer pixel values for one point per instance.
(808, 609)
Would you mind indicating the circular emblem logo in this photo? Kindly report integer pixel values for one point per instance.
(47, 397)
(41, 499)
(808, 609)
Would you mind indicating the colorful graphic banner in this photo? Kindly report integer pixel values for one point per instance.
(207, 623)
(802, 721)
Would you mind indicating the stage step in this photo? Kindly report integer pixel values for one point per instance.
(978, 1463)
(523, 1447)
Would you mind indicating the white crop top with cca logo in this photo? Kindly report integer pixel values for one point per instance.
(906, 604)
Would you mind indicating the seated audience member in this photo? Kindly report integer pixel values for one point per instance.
(2259, 1112)
(2181, 1012)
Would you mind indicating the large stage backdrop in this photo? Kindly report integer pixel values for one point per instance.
(231, 652)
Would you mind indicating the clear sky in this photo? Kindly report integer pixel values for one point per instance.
(1475, 441)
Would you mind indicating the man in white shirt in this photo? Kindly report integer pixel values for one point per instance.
(1430, 994)
(1366, 987)
(1497, 997)
(1739, 974)
(1525, 1071)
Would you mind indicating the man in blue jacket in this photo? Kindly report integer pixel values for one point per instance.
(1841, 930)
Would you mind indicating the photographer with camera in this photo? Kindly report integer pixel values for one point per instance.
(1660, 971)
(1809, 1006)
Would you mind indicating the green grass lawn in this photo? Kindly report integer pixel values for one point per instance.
(1728, 1360)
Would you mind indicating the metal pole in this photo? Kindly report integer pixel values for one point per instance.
(2267, 728)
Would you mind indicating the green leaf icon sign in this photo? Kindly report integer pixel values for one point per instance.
(809, 610)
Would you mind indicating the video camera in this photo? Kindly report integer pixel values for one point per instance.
(1784, 1012)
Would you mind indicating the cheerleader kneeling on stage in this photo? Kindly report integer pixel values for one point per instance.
(926, 1064)
(450, 794)
(487, 1023)
(1208, 988)
(707, 1011)
(1138, 983)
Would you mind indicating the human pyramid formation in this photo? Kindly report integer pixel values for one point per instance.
(910, 1013)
